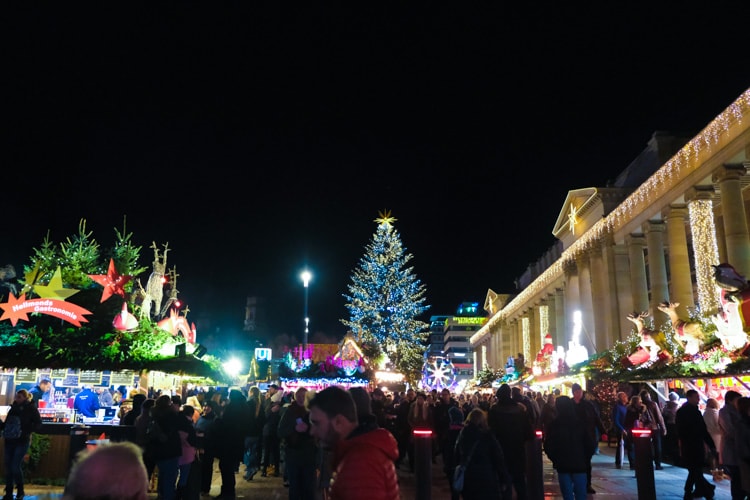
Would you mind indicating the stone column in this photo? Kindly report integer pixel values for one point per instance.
(657, 264)
(638, 283)
(572, 297)
(599, 297)
(679, 262)
(552, 306)
(561, 336)
(514, 334)
(624, 291)
(612, 316)
(588, 337)
(533, 315)
(733, 214)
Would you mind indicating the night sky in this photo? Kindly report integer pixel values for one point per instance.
(256, 139)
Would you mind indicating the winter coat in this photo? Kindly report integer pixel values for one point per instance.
(300, 446)
(31, 421)
(188, 441)
(669, 413)
(743, 451)
(711, 418)
(512, 428)
(729, 422)
(170, 422)
(619, 412)
(257, 417)
(691, 429)
(363, 466)
(227, 440)
(486, 476)
(568, 444)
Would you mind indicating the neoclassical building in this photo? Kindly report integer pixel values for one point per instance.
(628, 247)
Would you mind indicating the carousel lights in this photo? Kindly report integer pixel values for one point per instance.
(664, 178)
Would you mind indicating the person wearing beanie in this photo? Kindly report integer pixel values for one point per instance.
(456, 423)
(512, 428)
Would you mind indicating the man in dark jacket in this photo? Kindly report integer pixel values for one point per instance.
(591, 421)
(301, 452)
(39, 390)
(230, 431)
(442, 419)
(692, 432)
(569, 446)
(509, 422)
(402, 427)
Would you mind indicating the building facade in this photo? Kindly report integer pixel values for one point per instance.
(650, 237)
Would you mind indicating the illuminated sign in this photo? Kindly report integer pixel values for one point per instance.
(263, 354)
(466, 321)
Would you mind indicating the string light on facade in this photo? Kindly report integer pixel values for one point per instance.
(706, 253)
(689, 158)
(526, 332)
(543, 322)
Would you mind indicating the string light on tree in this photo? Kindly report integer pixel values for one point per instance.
(385, 299)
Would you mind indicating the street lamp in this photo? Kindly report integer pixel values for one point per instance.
(306, 277)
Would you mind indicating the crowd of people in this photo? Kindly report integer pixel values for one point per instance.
(349, 443)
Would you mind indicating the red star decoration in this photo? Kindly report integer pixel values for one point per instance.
(9, 313)
(112, 281)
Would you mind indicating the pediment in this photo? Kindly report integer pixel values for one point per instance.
(578, 204)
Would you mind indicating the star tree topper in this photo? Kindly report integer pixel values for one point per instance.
(384, 217)
(113, 282)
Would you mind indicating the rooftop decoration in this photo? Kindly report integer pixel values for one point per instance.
(343, 361)
(102, 328)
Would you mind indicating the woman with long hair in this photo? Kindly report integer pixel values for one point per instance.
(21, 421)
(164, 445)
(477, 448)
(254, 438)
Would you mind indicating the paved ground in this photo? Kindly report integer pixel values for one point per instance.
(608, 482)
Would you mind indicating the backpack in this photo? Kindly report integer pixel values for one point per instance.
(155, 433)
(646, 419)
(12, 429)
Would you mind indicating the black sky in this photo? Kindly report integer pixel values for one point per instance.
(257, 139)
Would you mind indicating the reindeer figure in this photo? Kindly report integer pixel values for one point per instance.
(688, 333)
(155, 287)
(172, 280)
(730, 327)
(651, 340)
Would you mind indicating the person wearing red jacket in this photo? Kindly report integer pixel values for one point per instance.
(362, 456)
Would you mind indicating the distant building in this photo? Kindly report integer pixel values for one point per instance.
(449, 337)
(437, 334)
(255, 318)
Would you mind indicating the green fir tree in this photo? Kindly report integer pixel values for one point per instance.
(385, 300)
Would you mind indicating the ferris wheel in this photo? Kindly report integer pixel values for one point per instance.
(438, 373)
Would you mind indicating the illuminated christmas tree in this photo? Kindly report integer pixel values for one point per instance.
(384, 301)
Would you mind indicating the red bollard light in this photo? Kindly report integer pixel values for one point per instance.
(644, 464)
(423, 463)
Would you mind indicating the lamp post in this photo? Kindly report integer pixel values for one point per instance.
(306, 276)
